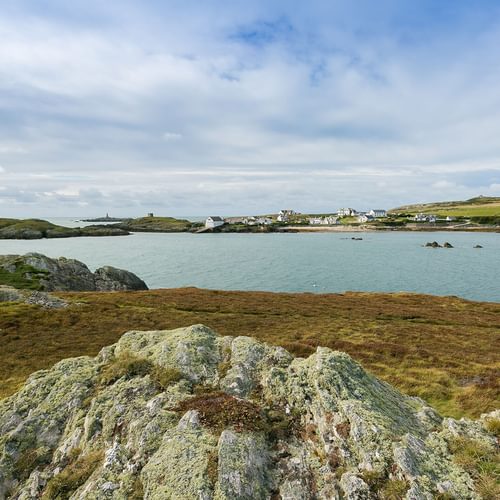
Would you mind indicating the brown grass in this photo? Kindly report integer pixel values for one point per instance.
(442, 349)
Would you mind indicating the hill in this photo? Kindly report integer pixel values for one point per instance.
(439, 348)
(193, 415)
(157, 224)
(33, 229)
(481, 206)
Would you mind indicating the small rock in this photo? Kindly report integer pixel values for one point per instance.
(447, 245)
(478, 246)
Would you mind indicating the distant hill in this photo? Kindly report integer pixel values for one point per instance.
(481, 206)
(157, 224)
(33, 229)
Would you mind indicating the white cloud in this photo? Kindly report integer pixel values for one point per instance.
(319, 117)
(172, 136)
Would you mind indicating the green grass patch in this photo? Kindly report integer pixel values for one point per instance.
(24, 277)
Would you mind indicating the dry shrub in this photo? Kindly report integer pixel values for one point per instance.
(29, 460)
(343, 429)
(394, 489)
(213, 467)
(219, 410)
(126, 365)
(481, 461)
(492, 425)
(61, 486)
(164, 376)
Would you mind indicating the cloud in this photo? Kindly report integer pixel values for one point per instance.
(172, 136)
(247, 105)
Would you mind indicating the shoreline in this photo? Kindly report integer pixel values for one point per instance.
(366, 229)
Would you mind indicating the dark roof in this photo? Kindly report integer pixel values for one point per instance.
(216, 218)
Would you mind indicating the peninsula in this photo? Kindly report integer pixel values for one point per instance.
(33, 229)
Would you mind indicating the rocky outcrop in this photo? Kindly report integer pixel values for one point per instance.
(188, 414)
(35, 229)
(42, 299)
(40, 272)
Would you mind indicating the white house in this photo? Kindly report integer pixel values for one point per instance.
(365, 218)
(284, 215)
(323, 221)
(330, 220)
(264, 221)
(214, 221)
(425, 218)
(377, 213)
(346, 212)
(315, 221)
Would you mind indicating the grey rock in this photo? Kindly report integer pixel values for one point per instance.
(69, 274)
(344, 424)
(110, 278)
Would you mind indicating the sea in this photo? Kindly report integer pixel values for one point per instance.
(292, 262)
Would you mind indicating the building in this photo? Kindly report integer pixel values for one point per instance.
(214, 221)
(323, 221)
(346, 212)
(377, 213)
(365, 218)
(284, 215)
(425, 218)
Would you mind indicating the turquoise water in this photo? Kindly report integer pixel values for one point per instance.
(322, 262)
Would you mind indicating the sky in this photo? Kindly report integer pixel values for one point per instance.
(234, 107)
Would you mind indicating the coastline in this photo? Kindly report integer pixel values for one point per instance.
(367, 229)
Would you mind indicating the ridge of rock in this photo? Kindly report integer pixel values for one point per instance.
(188, 414)
(62, 274)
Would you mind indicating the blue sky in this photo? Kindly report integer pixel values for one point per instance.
(229, 107)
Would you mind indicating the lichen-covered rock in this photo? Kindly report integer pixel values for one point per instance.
(45, 273)
(114, 427)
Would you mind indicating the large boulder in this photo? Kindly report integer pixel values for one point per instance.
(39, 272)
(188, 414)
(109, 278)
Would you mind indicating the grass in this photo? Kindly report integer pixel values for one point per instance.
(475, 207)
(74, 475)
(37, 228)
(160, 224)
(126, 365)
(130, 365)
(24, 277)
(440, 348)
(482, 462)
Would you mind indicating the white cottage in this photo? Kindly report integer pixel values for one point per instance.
(214, 221)
(377, 213)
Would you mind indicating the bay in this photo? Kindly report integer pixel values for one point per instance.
(296, 262)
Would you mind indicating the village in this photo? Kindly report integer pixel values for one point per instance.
(343, 216)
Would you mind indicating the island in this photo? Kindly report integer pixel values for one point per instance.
(34, 229)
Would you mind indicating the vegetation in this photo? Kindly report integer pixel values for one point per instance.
(24, 276)
(127, 365)
(72, 476)
(158, 224)
(481, 206)
(130, 365)
(219, 410)
(482, 462)
(32, 229)
(439, 348)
